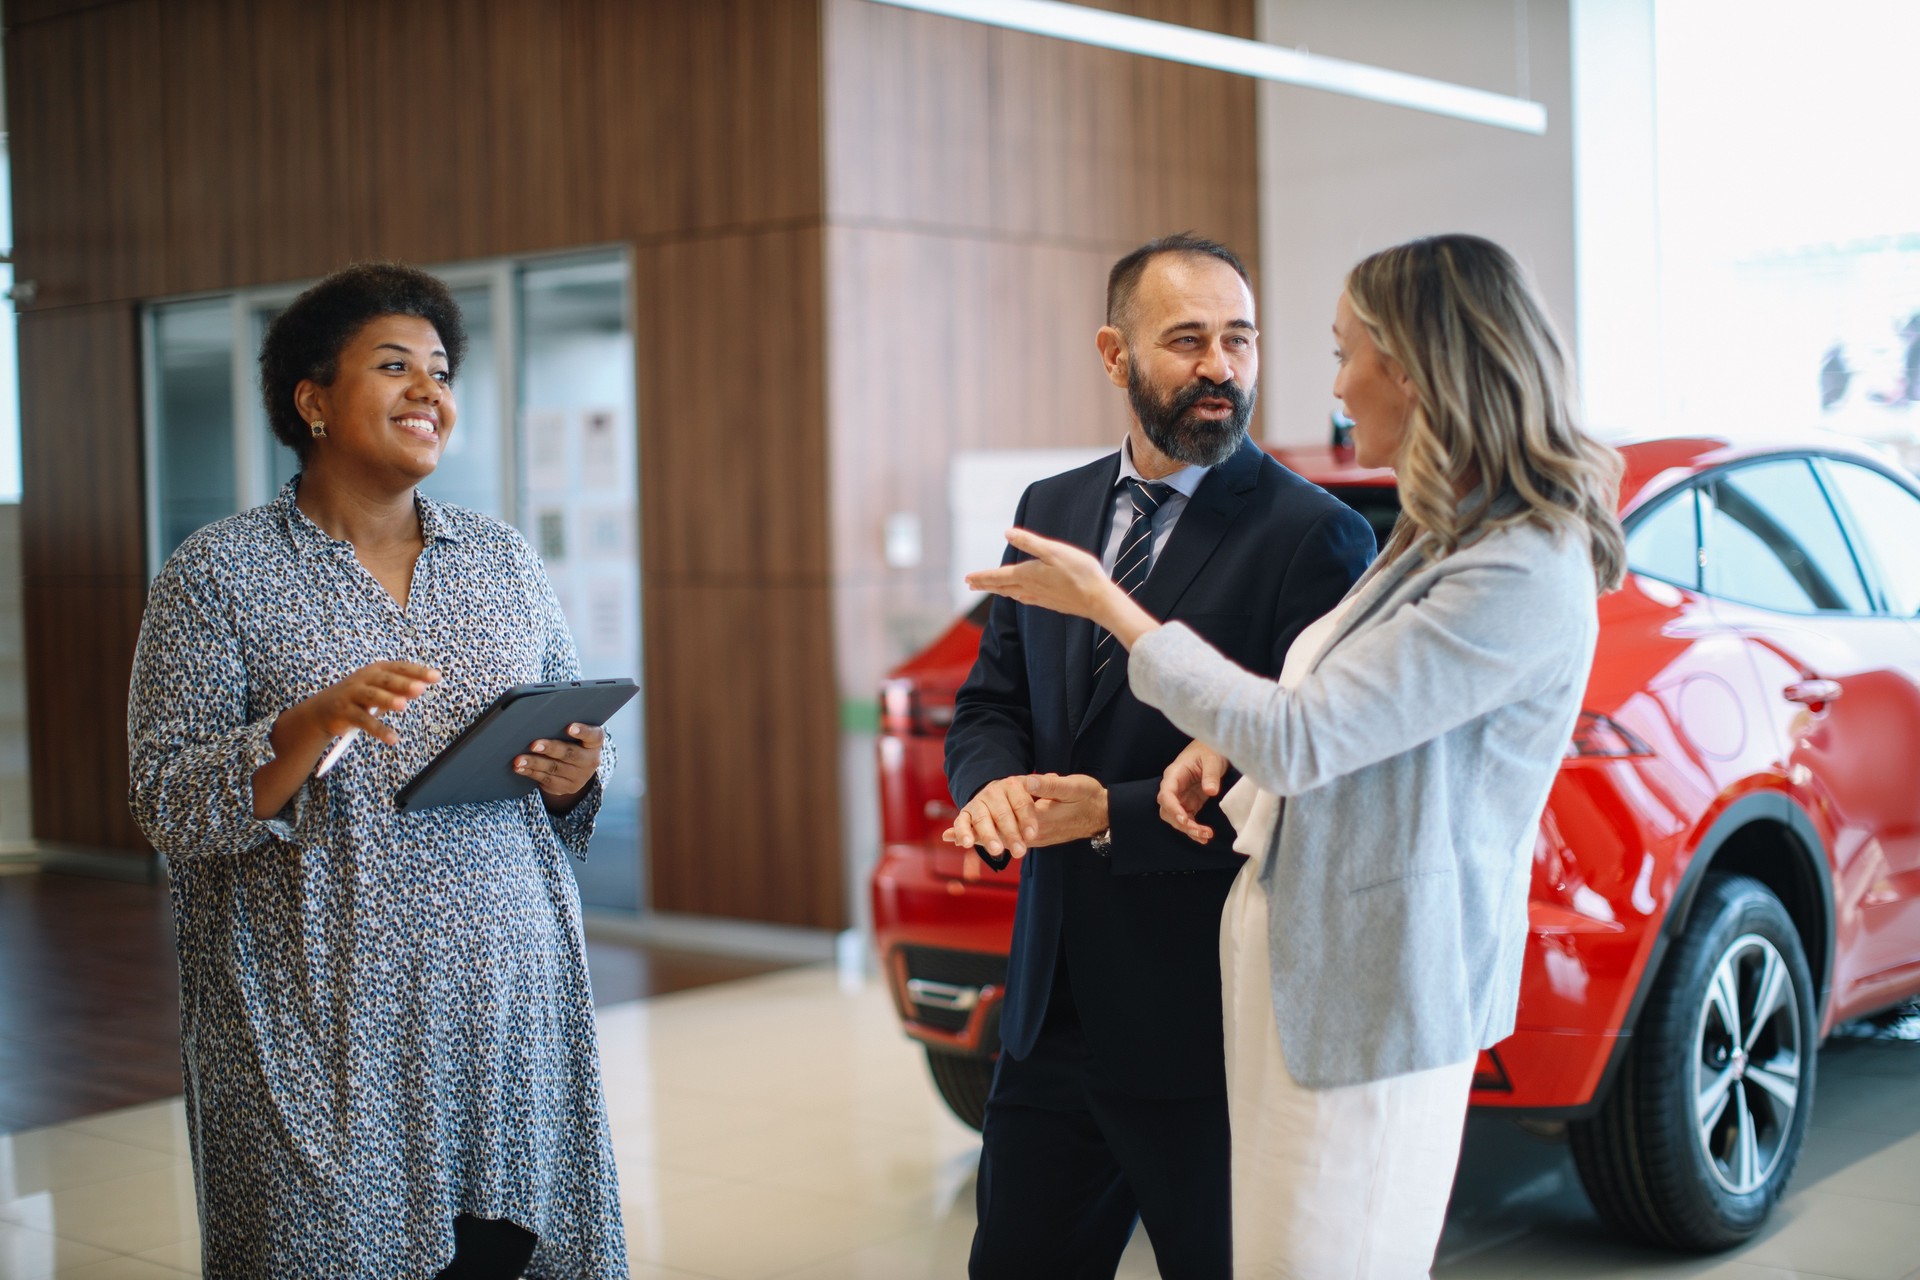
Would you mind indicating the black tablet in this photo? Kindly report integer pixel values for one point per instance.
(478, 765)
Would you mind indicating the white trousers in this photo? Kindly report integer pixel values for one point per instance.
(1328, 1184)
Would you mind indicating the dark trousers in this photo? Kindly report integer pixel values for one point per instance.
(488, 1249)
(1068, 1163)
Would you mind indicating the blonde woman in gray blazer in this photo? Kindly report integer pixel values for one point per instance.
(1394, 775)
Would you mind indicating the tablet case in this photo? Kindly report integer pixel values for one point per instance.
(478, 765)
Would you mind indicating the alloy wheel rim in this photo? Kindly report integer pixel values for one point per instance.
(1748, 1053)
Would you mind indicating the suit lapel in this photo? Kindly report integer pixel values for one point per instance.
(1209, 514)
(1085, 524)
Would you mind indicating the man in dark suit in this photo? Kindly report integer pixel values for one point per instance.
(1109, 1102)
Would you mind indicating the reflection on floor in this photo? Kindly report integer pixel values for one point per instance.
(780, 1126)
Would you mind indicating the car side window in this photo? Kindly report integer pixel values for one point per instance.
(1771, 539)
(1665, 542)
(1886, 516)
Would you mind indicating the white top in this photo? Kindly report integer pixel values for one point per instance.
(1255, 813)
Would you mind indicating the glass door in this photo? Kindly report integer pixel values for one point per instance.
(579, 506)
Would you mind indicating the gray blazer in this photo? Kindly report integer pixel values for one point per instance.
(1416, 757)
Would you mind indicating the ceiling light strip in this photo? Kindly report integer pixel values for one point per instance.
(1209, 49)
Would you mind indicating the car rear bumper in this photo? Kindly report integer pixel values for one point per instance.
(943, 942)
(944, 924)
(1545, 1071)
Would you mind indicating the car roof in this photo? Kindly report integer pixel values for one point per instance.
(1653, 464)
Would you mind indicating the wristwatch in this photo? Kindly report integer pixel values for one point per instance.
(1103, 843)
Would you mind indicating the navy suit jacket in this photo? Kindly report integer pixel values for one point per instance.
(1258, 554)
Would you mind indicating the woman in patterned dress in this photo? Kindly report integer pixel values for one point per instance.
(387, 1030)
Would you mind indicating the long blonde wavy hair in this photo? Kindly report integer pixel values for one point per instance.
(1494, 406)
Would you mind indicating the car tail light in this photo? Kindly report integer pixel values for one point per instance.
(905, 709)
(1595, 735)
(1489, 1074)
(914, 804)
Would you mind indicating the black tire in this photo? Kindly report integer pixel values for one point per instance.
(963, 1082)
(1651, 1168)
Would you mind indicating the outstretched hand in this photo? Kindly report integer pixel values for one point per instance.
(1065, 579)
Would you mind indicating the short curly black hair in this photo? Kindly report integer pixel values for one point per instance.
(305, 341)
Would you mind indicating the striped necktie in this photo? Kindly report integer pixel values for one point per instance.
(1135, 559)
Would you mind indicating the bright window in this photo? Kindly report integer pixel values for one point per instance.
(1789, 213)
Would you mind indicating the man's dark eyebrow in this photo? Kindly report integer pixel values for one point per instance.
(405, 350)
(1200, 324)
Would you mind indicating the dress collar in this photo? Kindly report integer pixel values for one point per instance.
(309, 538)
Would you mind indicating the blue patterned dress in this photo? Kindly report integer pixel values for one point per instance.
(385, 1018)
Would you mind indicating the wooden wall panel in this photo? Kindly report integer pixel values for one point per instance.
(981, 184)
(741, 714)
(947, 124)
(729, 363)
(83, 566)
(82, 510)
(80, 638)
(89, 211)
(702, 115)
(433, 131)
(246, 142)
(21, 12)
(745, 780)
(940, 344)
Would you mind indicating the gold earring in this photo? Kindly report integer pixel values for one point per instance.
(319, 429)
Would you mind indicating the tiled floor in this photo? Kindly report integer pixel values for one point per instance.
(780, 1126)
(90, 993)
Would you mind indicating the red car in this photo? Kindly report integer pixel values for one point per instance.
(1729, 862)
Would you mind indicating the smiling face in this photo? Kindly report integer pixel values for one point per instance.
(1189, 358)
(1374, 390)
(390, 408)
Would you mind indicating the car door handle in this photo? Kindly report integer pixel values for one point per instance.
(1816, 694)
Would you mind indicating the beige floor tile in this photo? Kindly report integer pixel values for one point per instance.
(124, 1268)
(648, 1185)
(1892, 1173)
(1870, 1102)
(26, 1254)
(1844, 1236)
(642, 1118)
(931, 1253)
(128, 1214)
(784, 1127)
(744, 1232)
(888, 1172)
(182, 1255)
(159, 1125)
(54, 1159)
(766, 1150)
(1571, 1257)
(1829, 1150)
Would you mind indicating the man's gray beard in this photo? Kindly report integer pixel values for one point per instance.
(1190, 442)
